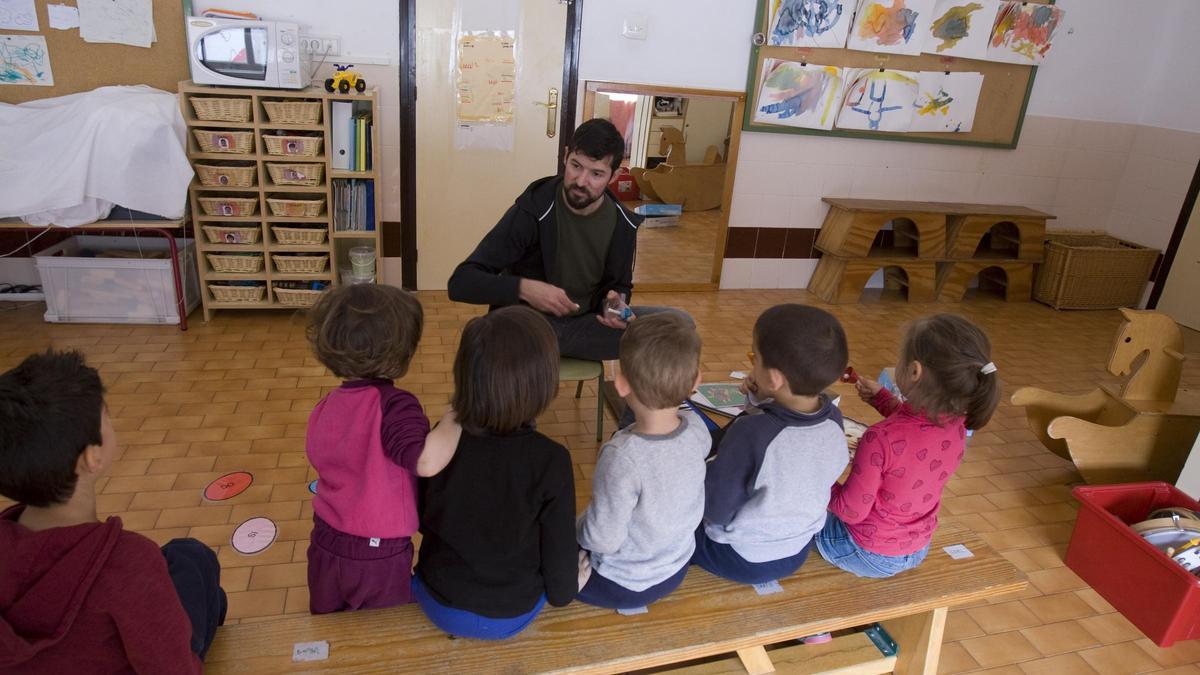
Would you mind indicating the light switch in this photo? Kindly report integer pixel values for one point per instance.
(635, 27)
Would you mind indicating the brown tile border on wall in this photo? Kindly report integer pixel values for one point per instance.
(771, 242)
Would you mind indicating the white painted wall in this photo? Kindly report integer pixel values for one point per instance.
(1189, 479)
(1113, 61)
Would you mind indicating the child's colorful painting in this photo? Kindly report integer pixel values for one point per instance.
(878, 100)
(811, 23)
(799, 95)
(892, 26)
(24, 59)
(1023, 32)
(961, 28)
(946, 101)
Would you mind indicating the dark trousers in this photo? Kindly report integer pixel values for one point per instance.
(346, 572)
(583, 337)
(196, 575)
(723, 561)
(602, 592)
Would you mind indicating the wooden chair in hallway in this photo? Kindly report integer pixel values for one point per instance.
(577, 370)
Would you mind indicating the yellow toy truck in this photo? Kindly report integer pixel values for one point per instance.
(345, 79)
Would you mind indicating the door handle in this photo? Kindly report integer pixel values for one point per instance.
(551, 106)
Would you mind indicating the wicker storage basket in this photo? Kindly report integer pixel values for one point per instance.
(300, 146)
(221, 109)
(223, 293)
(293, 112)
(300, 264)
(229, 206)
(1092, 271)
(296, 297)
(227, 263)
(295, 174)
(228, 234)
(296, 208)
(299, 236)
(228, 142)
(225, 175)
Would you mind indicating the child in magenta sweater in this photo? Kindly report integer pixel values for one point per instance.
(882, 518)
(366, 439)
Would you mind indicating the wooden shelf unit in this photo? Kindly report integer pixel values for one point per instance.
(336, 245)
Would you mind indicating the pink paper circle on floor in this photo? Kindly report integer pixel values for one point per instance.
(228, 486)
(254, 536)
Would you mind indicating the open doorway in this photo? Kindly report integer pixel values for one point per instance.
(678, 170)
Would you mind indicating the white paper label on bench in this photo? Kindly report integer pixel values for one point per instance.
(633, 611)
(737, 375)
(311, 651)
(768, 588)
(959, 552)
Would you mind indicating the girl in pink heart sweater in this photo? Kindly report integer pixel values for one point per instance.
(882, 518)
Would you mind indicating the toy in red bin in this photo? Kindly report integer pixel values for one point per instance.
(624, 186)
(850, 377)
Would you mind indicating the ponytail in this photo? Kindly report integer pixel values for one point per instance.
(983, 401)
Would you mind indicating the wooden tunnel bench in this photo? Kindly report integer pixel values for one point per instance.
(705, 617)
(933, 250)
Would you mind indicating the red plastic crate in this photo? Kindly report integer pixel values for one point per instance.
(1154, 592)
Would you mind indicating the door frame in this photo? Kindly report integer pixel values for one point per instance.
(593, 87)
(408, 121)
(1181, 224)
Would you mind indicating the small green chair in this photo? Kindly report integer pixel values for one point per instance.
(578, 370)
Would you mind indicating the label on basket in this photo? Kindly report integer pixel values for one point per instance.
(233, 237)
(292, 174)
(293, 147)
(223, 179)
(223, 141)
(227, 209)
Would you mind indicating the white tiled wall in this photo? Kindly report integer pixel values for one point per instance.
(1124, 178)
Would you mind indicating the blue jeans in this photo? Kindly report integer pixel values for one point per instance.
(461, 623)
(838, 547)
(603, 592)
(721, 560)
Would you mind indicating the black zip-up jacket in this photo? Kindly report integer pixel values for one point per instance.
(524, 244)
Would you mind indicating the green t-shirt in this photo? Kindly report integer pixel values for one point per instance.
(583, 243)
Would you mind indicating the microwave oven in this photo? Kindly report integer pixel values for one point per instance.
(240, 53)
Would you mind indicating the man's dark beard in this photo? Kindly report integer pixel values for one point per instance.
(572, 197)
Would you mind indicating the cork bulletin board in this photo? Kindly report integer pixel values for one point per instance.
(83, 66)
(998, 116)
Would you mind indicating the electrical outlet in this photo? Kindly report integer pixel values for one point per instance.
(319, 45)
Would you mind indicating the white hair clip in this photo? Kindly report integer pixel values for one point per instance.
(988, 368)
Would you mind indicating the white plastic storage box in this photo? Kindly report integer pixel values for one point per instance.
(83, 285)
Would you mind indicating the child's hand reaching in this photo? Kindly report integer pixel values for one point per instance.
(585, 568)
(440, 445)
(867, 388)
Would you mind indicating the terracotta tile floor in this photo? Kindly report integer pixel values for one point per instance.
(680, 254)
(235, 395)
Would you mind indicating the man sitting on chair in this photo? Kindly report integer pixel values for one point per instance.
(566, 248)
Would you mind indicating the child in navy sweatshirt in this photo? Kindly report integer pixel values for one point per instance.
(767, 489)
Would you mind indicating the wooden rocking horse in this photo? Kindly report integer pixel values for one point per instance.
(1144, 430)
(698, 187)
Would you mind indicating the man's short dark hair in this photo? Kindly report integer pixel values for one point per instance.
(506, 370)
(598, 139)
(50, 411)
(806, 344)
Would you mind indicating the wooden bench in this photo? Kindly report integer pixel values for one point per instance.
(706, 617)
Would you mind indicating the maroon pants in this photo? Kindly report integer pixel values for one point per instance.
(347, 572)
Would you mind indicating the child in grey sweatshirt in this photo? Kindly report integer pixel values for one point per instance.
(767, 490)
(648, 486)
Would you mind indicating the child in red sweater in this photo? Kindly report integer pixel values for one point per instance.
(882, 518)
(78, 595)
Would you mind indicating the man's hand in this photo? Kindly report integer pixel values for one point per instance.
(609, 319)
(546, 298)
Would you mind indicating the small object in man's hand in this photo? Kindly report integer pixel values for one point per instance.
(850, 377)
